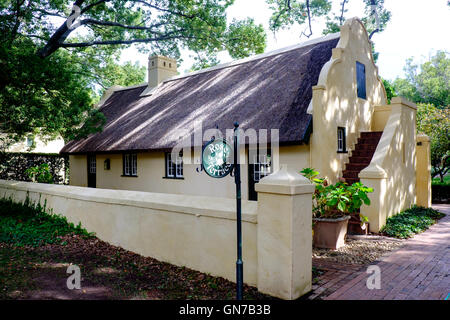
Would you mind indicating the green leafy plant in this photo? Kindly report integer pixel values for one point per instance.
(40, 173)
(27, 224)
(409, 222)
(339, 199)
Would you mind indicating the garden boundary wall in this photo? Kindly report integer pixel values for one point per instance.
(198, 232)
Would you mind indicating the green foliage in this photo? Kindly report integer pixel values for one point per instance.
(338, 199)
(29, 225)
(203, 61)
(311, 174)
(369, 20)
(435, 123)
(244, 38)
(40, 173)
(287, 13)
(428, 83)
(110, 73)
(52, 76)
(390, 90)
(49, 95)
(335, 21)
(407, 223)
(437, 181)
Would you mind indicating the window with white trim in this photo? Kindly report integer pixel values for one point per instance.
(341, 144)
(262, 166)
(174, 166)
(92, 164)
(130, 164)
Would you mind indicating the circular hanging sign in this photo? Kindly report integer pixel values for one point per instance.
(216, 158)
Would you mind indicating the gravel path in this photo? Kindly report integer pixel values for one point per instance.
(359, 249)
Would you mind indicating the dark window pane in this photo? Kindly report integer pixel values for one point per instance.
(361, 80)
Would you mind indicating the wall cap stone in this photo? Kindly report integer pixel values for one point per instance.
(216, 207)
(319, 87)
(423, 138)
(403, 101)
(285, 181)
(373, 172)
(382, 108)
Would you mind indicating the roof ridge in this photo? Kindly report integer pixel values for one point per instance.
(327, 37)
(233, 63)
(134, 86)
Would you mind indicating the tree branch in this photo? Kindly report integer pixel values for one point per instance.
(48, 13)
(309, 21)
(163, 9)
(58, 37)
(341, 18)
(117, 42)
(287, 4)
(90, 6)
(116, 24)
(18, 17)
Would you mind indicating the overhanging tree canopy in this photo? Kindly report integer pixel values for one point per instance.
(165, 25)
(54, 53)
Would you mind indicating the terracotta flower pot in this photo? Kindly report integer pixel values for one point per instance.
(330, 233)
(354, 226)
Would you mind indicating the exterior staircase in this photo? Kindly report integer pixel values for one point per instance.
(360, 159)
(361, 156)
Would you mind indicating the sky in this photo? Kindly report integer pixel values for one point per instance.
(417, 29)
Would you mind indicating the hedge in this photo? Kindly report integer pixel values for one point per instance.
(14, 164)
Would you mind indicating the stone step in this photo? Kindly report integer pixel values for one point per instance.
(371, 134)
(355, 166)
(362, 155)
(360, 159)
(365, 146)
(371, 141)
(350, 174)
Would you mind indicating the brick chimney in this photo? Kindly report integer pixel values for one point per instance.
(160, 68)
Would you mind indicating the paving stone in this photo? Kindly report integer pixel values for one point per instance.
(418, 270)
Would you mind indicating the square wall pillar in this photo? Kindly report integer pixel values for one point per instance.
(423, 171)
(284, 236)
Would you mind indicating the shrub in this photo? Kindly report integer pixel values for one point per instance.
(338, 199)
(28, 224)
(409, 222)
(40, 173)
(13, 166)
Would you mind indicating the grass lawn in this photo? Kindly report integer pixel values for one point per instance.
(36, 248)
(409, 222)
(446, 179)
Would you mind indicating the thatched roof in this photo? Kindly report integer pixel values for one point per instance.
(270, 91)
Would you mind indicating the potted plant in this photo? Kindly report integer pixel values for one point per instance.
(332, 206)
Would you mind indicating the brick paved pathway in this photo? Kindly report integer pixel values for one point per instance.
(335, 275)
(418, 270)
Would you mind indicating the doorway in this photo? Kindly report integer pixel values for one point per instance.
(92, 171)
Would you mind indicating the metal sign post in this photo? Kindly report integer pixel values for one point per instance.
(237, 180)
(216, 162)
